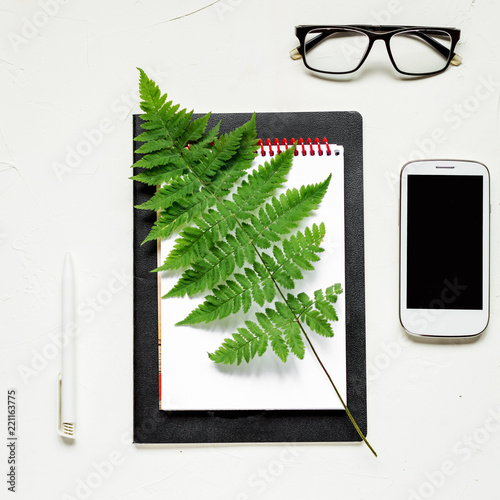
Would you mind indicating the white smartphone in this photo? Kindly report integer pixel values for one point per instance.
(444, 248)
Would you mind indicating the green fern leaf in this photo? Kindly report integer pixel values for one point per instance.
(196, 129)
(284, 279)
(209, 137)
(245, 344)
(154, 145)
(174, 192)
(294, 340)
(326, 309)
(177, 215)
(332, 292)
(318, 323)
(162, 158)
(219, 263)
(231, 297)
(289, 209)
(261, 183)
(239, 164)
(159, 174)
(185, 211)
(264, 321)
(164, 120)
(225, 222)
(325, 306)
(294, 304)
(277, 326)
(269, 262)
(223, 150)
(279, 345)
(285, 313)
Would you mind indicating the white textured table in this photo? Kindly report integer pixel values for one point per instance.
(68, 89)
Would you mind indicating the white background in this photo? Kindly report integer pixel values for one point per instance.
(433, 409)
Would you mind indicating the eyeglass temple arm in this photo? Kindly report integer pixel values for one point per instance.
(456, 59)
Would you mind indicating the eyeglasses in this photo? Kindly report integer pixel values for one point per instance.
(413, 50)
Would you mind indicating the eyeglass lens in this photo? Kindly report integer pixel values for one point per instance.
(336, 51)
(420, 52)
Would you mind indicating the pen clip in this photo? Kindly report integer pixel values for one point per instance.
(64, 430)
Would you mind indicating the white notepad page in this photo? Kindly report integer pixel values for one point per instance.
(191, 381)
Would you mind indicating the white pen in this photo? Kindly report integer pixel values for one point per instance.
(67, 376)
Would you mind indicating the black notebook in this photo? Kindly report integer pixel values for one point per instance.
(297, 417)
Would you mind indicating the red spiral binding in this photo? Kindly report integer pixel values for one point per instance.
(301, 143)
(325, 142)
(268, 143)
(261, 144)
(310, 144)
(271, 147)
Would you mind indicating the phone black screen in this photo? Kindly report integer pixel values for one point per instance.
(445, 242)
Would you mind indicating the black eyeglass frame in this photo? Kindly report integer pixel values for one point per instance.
(374, 33)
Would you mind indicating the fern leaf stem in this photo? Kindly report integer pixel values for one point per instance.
(336, 390)
(349, 414)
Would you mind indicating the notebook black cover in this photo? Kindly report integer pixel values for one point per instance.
(152, 425)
